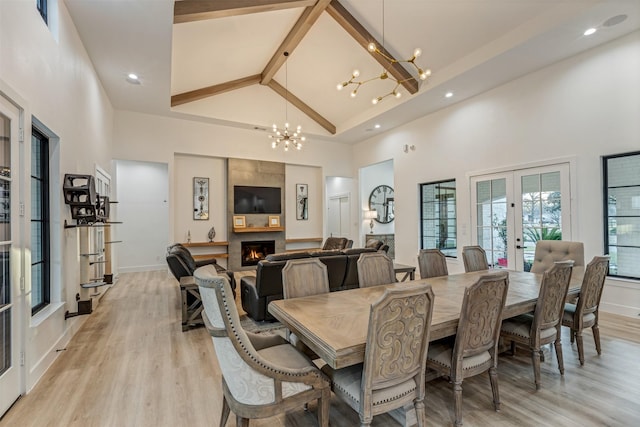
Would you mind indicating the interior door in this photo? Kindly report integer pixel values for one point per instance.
(514, 209)
(338, 215)
(10, 296)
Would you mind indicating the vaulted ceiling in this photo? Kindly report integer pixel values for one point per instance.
(223, 61)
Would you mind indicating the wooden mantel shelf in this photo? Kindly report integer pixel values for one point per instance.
(204, 244)
(257, 229)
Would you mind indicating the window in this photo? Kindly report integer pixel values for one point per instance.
(438, 216)
(40, 237)
(42, 8)
(622, 213)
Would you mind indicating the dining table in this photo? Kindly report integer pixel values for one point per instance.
(334, 325)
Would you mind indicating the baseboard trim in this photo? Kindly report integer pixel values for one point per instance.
(622, 310)
(141, 268)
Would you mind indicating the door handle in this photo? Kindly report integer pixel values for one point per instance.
(518, 247)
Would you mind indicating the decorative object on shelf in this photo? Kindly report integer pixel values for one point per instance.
(302, 201)
(285, 136)
(423, 74)
(200, 198)
(274, 220)
(211, 234)
(188, 236)
(239, 221)
(370, 215)
(381, 200)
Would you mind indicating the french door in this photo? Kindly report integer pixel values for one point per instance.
(512, 210)
(10, 297)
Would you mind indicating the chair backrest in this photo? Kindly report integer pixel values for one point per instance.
(480, 317)
(375, 268)
(304, 277)
(398, 338)
(552, 296)
(592, 284)
(475, 258)
(335, 243)
(432, 263)
(180, 261)
(550, 251)
(373, 243)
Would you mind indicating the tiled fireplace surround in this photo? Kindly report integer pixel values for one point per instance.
(262, 174)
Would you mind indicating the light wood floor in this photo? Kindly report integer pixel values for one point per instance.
(131, 365)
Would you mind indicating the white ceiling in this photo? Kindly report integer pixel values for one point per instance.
(470, 46)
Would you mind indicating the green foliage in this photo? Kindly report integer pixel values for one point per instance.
(535, 234)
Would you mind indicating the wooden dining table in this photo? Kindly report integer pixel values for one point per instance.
(334, 325)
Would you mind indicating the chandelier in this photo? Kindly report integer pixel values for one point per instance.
(423, 74)
(286, 137)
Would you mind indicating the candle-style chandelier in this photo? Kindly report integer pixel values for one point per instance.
(287, 137)
(423, 74)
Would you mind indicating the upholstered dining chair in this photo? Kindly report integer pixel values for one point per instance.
(549, 251)
(301, 278)
(375, 268)
(262, 375)
(474, 258)
(543, 325)
(432, 263)
(393, 372)
(584, 314)
(475, 349)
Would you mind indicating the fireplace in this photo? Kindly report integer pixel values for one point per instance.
(253, 251)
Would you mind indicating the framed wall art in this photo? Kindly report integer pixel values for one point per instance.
(200, 198)
(302, 201)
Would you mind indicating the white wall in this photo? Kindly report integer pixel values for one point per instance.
(583, 107)
(142, 192)
(312, 227)
(53, 79)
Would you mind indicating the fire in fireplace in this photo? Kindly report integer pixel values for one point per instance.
(254, 251)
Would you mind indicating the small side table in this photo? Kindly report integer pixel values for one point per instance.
(408, 270)
(191, 312)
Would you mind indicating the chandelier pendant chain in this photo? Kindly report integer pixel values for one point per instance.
(423, 74)
(285, 136)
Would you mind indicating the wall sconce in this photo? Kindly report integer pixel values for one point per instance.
(370, 215)
(407, 147)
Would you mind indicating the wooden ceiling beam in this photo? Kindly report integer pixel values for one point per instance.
(297, 102)
(205, 92)
(198, 10)
(295, 36)
(363, 37)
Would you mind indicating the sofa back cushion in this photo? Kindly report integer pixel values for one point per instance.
(336, 269)
(335, 243)
(269, 278)
(351, 275)
(180, 261)
(287, 256)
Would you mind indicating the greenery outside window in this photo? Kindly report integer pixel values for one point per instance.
(622, 213)
(40, 234)
(438, 217)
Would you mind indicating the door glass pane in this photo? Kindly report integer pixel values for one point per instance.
(5, 316)
(541, 211)
(492, 220)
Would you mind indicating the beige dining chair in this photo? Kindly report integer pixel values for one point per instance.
(375, 268)
(475, 349)
(432, 263)
(393, 372)
(262, 374)
(301, 278)
(549, 251)
(584, 314)
(543, 325)
(474, 258)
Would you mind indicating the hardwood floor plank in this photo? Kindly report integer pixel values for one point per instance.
(131, 365)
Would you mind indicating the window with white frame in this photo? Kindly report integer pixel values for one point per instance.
(438, 217)
(622, 213)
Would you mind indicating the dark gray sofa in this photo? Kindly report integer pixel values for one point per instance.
(257, 292)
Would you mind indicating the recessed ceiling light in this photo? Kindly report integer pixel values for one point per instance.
(133, 79)
(448, 94)
(377, 126)
(590, 31)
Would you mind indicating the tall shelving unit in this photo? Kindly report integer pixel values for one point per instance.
(90, 210)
